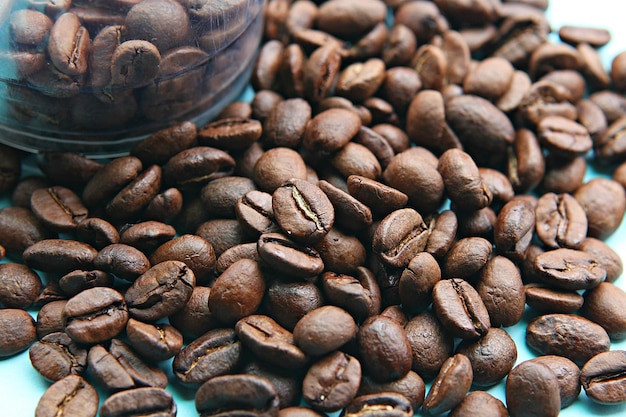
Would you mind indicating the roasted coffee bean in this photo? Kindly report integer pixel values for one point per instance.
(323, 330)
(605, 256)
(270, 341)
(220, 195)
(20, 230)
(379, 197)
(276, 166)
(450, 386)
(560, 221)
(604, 202)
(574, 35)
(563, 175)
(492, 356)
(217, 352)
(603, 306)
(195, 318)
(569, 269)
(59, 255)
(463, 182)
(514, 228)
(349, 212)
(289, 257)
(384, 348)
(56, 356)
(479, 224)
(552, 300)
(110, 179)
(123, 261)
(97, 232)
(237, 292)
(76, 281)
(417, 282)
(288, 302)
(399, 237)
(71, 396)
(288, 384)
(567, 374)
(568, 335)
(525, 163)
(22, 191)
(254, 212)
(145, 401)
(155, 342)
(386, 403)
(431, 344)
(297, 411)
(95, 315)
(480, 402)
(160, 291)
(196, 166)
(602, 377)
(321, 70)
(19, 285)
(49, 318)
(135, 196)
(359, 294)
(10, 168)
(159, 147)
(19, 330)
(426, 119)
(532, 389)
(194, 251)
(443, 229)
(237, 394)
(147, 235)
(332, 382)
(460, 309)
(501, 288)
(69, 44)
(302, 210)
(222, 234)
(466, 257)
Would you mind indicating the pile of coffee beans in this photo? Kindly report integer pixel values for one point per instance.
(406, 185)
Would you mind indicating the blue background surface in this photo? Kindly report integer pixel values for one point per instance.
(21, 386)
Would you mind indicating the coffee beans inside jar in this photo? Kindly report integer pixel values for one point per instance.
(389, 210)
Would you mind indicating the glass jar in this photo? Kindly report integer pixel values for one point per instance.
(97, 76)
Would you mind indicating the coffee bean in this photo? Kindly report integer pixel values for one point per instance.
(379, 197)
(194, 251)
(147, 235)
(19, 328)
(95, 315)
(569, 269)
(49, 318)
(323, 330)
(56, 356)
(159, 147)
(460, 309)
(462, 180)
(236, 394)
(19, 285)
(532, 389)
(431, 344)
(289, 257)
(155, 342)
(59, 255)
(603, 306)
(568, 335)
(332, 382)
(552, 300)
(121, 260)
(20, 230)
(71, 396)
(567, 374)
(97, 232)
(450, 386)
(466, 257)
(602, 377)
(603, 218)
(501, 288)
(386, 403)
(359, 295)
(288, 302)
(480, 402)
(139, 401)
(195, 318)
(276, 166)
(399, 237)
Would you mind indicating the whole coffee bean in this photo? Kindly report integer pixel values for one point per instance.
(563, 175)
(76, 281)
(230, 134)
(195, 318)
(22, 191)
(20, 229)
(480, 402)
(606, 257)
(426, 119)
(411, 386)
(56, 356)
(359, 158)
(466, 257)
(379, 197)
(217, 352)
(95, 315)
(145, 401)
(238, 291)
(399, 237)
(237, 394)
(19, 330)
(235, 253)
(560, 221)
(332, 382)
(123, 261)
(194, 251)
(552, 300)
(10, 168)
(384, 404)
(164, 144)
(490, 78)
(135, 196)
(569, 269)
(19, 285)
(154, 342)
(302, 210)
(501, 288)
(146, 235)
(417, 282)
(568, 335)
(288, 302)
(69, 44)
(603, 306)
(443, 228)
(574, 35)
(602, 377)
(431, 344)
(321, 71)
(160, 291)
(288, 384)
(532, 389)
(270, 341)
(460, 309)
(478, 223)
(109, 180)
(49, 318)
(71, 396)
(525, 163)
(276, 166)
(299, 411)
(196, 166)
(254, 212)
(331, 130)
(384, 348)
(289, 257)
(220, 195)
(349, 212)
(604, 201)
(564, 137)
(97, 232)
(323, 330)
(492, 356)
(60, 255)
(450, 386)
(463, 182)
(222, 233)
(514, 228)
(359, 294)
(567, 374)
